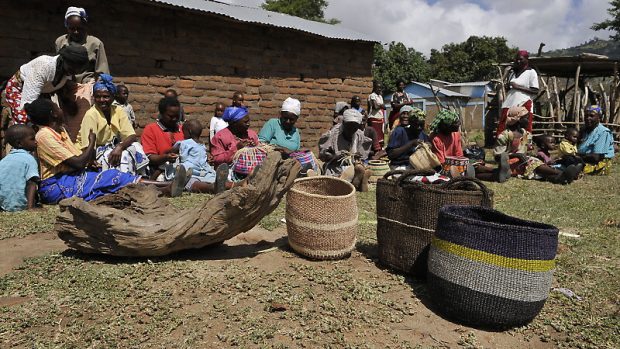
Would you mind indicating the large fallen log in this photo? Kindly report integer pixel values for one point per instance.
(137, 221)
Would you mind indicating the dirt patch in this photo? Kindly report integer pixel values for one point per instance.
(15, 250)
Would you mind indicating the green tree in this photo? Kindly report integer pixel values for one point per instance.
(308, 9)
(471, 60)
(613, 23)
(398, 62)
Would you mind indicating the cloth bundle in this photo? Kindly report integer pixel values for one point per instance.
(246, 159)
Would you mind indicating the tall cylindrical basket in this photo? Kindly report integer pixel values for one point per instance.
(321, 217)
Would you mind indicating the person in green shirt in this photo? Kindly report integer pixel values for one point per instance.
(281, 132)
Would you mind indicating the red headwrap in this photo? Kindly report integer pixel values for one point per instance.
(523, 53)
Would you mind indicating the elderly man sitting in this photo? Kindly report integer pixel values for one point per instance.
(344, 148)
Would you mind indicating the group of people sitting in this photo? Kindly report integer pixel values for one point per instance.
(68, 113)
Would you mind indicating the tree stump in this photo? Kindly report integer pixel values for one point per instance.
(137, 221)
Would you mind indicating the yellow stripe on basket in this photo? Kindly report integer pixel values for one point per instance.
(500, 261)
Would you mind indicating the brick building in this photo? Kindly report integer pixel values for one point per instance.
(205, 50)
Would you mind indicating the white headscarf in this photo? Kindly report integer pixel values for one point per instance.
(352, 115)
(292, 105)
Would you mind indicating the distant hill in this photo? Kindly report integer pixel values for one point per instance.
(598, 46)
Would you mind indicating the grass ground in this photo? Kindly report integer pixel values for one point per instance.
(278, 300)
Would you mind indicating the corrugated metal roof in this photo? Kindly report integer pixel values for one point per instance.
(443, 91)
(260, 16)
(471, 83)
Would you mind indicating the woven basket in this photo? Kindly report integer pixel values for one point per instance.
(490, 269)
(321, 217)
(407, 215)
(378, 168)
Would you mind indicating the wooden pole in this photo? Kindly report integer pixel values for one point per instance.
(576, 94)
(557, 100)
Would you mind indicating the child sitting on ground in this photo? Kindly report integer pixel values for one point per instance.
(193, 156)
(546, 145)
(19, 171)
(568, 146)
(120, 99)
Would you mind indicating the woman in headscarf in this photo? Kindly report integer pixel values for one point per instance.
(406, 137)
(344, 148)
(76, 22)
(281, 132)
(597, 144)
(42, 75)
(236, 136)
(522, 87)
(445, 135)
(116, 141)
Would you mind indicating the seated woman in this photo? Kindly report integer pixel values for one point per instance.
(115, 139)
(597, 144)
(64, 167)
(445, 135)
(283, 134)
(159, 137)
(345, 146)
(446, 142)
(406, 137)
(376, 152)
(233, 138)
(514, 142)
(44, 74)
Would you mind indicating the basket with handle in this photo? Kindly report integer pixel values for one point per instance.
(407, 215)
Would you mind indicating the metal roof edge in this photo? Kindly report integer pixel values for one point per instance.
(260, 16)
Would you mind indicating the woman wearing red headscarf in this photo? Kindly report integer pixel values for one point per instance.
(522, 87)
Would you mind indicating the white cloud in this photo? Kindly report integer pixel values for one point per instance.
(423, 26)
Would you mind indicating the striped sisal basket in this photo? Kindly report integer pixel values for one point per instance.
(407, 215)
(321, 217)
(489, 269)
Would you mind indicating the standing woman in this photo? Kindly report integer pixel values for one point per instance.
(522, 87)
(76, 21)
(376, 109)
(399, 100)
(42, 75)
(116, 141)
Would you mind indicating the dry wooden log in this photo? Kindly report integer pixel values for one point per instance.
(137, 221)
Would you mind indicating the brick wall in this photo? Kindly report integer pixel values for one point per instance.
(204, 57)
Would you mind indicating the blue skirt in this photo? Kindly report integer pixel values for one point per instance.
(87, 185)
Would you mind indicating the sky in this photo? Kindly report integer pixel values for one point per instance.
(430, 24)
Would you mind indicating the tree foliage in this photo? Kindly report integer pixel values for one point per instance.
(307, 9)
(613, 23)
(471, 60)
(398, 62)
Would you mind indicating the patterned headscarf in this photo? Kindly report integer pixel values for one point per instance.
(594, 108)
(234, 114)
(418, 114)
(445, 116)
(105, 83)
